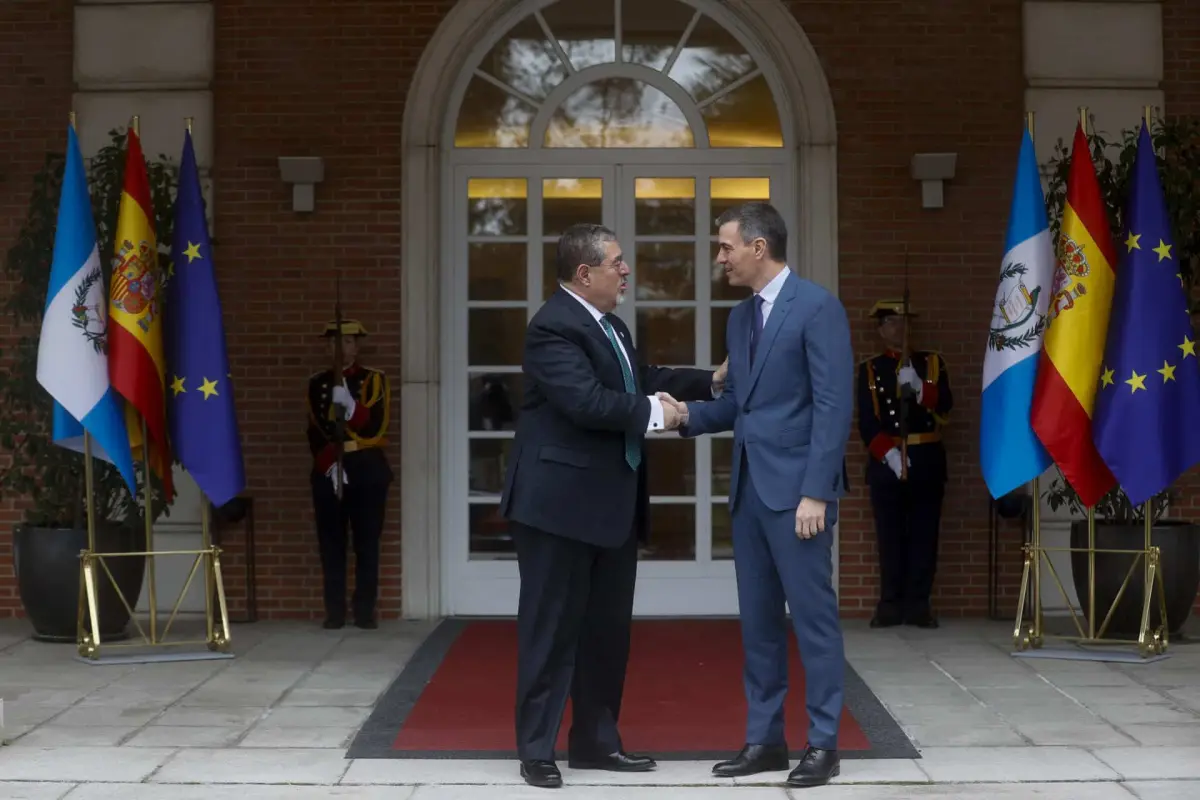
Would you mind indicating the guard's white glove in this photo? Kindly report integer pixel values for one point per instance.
(892, 459)
(343, 398)
(336, 476)
(909, 377)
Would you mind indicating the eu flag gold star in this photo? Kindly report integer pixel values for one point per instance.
(1106, 378)
(1167, 371)
(1163, 250)
(209, 388)
(192, 252)
(1132, 241)
(1188, 347)
(177, 384)
(1137, 382)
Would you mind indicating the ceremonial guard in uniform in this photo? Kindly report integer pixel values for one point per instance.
(902, 404)
(361, 397)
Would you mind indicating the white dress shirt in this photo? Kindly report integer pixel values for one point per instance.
(656, 409)
(770, 293)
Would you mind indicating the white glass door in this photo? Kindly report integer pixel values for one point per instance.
(507, 221)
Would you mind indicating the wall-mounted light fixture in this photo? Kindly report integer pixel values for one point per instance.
(304, 173)
(931, 169)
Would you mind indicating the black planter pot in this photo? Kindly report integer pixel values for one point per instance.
(46, 561)
(1179, 565)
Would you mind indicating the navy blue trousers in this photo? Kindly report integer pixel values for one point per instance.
(774, 565)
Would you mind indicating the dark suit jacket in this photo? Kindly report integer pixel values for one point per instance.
(567, 473)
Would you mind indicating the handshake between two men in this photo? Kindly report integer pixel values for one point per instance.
(675, 414)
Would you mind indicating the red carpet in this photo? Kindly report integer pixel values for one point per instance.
(683, 694)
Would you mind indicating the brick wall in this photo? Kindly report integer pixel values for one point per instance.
(35, 96)
(331, 80)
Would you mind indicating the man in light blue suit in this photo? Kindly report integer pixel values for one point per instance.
(789, 398)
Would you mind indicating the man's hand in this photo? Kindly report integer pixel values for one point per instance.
(718, 380)
(810, 517)
(675, 413)
(336, 476)
(892, 459)
(343, 398)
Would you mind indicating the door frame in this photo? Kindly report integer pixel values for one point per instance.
(491, 586)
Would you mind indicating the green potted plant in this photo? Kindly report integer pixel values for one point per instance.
(50, 479)
(1118, 524)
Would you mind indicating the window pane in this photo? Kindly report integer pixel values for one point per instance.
(618, 112)
(488, 461)
(722, 533)
(671, 466)
(491, 117)
(496, 271)
(719, 318)
(584, 30)
(566, 201)
(495, 401)
(651, 29)
(671, 533)
(549, 269)
(495, 336)
(489, 535)
(722, 464)
(496, 207)
(711, 60)
(525, 60)
(746, 117)
(666, 336)
(665, 271)
(665, 206)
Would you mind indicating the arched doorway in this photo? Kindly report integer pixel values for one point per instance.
(650, 117)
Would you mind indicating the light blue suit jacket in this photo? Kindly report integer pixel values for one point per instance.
(791, 409)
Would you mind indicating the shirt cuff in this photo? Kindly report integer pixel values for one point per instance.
(656, 415)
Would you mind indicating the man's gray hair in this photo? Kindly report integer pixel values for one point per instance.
(582, 243)
(758, 220)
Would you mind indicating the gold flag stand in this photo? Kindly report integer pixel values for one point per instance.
(155, 645)
(1029, 631)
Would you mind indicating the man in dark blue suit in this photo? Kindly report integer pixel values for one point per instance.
(575, 496)
(789, 398)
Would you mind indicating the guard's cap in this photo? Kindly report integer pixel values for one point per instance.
(887, 308)
(350, 327)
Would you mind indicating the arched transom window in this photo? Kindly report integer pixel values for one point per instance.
(618, 74)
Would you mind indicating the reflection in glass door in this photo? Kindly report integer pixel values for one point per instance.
(677, 307)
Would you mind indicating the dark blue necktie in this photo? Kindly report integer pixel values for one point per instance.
(757, 326)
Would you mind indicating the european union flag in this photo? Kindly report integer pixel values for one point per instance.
(1149, 391)
(203, 421)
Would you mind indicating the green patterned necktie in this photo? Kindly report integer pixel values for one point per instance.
(633, 442)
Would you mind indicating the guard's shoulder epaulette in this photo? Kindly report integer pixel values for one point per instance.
(872, 357)
(318, 374)
(370, 369)
(930, 353)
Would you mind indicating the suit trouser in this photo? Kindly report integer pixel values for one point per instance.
(907, 518)
(573, 626)
(773, 564)
(362, 506)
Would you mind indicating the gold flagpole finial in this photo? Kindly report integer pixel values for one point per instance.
(134, 126)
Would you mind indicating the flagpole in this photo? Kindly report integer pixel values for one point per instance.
(1091, 512)
(1035, 535)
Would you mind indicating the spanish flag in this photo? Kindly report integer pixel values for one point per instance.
(1064, 395)
(135, 342)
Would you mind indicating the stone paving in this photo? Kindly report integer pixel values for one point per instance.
(273, 724)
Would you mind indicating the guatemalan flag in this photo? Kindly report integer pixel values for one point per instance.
(72, 362)
(1010, 451)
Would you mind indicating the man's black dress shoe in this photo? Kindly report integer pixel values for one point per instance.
(366, 623)
(616, 762)
(927, 621)
(816, 768)
(753, 759)
(543, 774)
(332, 623)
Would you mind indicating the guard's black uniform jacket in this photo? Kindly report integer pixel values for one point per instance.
(364, 495)
(907, 513)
